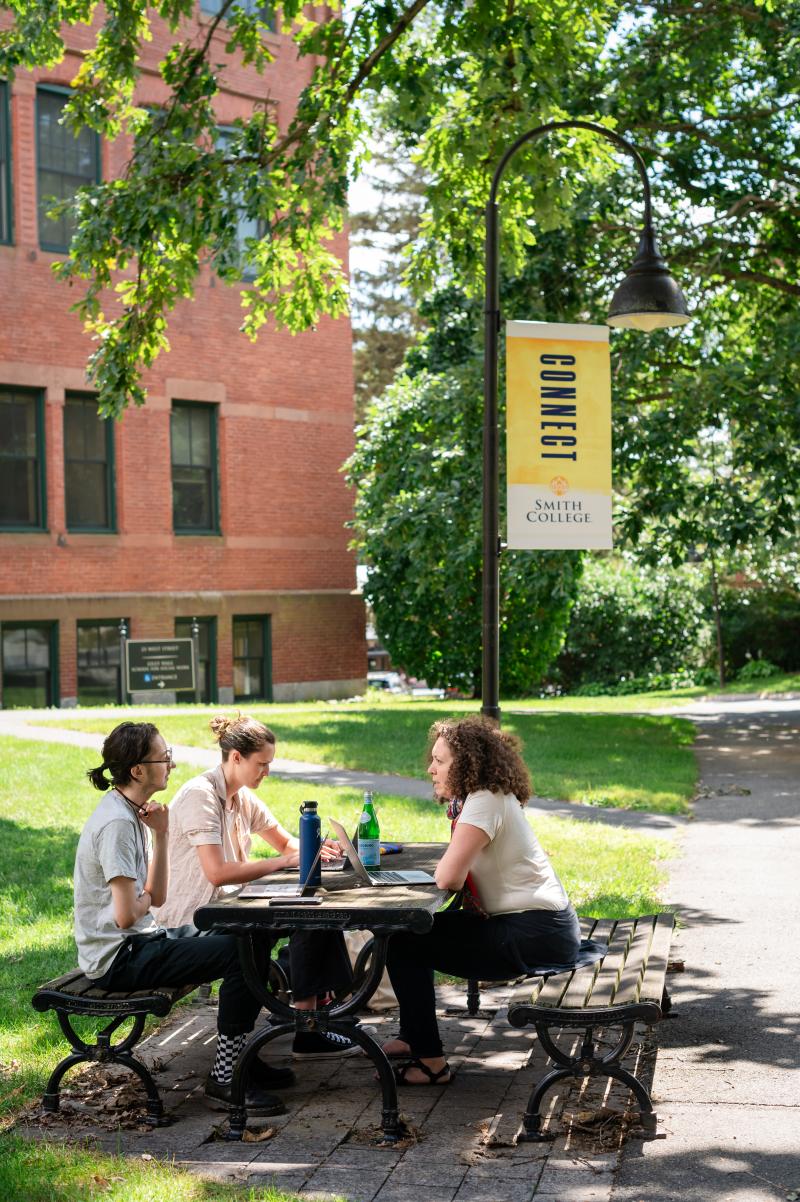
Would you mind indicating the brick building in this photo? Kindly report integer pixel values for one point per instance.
(220, 500)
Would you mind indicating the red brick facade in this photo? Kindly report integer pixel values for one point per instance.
(284, 421)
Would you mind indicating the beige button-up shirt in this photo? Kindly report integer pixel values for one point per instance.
(198, 816)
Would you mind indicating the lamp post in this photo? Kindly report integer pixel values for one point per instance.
(647, 299)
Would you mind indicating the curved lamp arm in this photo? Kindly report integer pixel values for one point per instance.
(593, 127)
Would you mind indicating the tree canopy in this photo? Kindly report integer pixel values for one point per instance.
(706, 420)
(464, 77)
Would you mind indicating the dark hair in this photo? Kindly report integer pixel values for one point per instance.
(242, 733)
(126, 746)
(484, 757)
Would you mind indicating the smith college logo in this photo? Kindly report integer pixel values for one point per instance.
(559, 485)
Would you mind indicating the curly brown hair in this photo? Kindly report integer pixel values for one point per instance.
(484, 757)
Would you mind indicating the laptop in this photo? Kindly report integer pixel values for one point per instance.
(283, 889)
(378, 876)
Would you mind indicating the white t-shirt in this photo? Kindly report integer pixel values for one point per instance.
(511, 873)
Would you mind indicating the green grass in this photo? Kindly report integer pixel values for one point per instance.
(45, 800)
(45, 1172)
(641, 762)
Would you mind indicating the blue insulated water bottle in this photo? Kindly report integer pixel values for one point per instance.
(310, 836)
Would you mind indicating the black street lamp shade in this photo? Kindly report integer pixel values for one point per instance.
(648, 298)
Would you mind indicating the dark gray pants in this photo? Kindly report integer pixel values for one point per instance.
(318, 960)
(467, 945)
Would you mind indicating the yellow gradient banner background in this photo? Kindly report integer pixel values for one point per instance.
(559, 490)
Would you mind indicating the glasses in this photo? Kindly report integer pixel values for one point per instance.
(167, 759)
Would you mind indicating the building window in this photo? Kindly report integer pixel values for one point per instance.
(88, 465)
(29, 658)
(252, 666)
(65, 163)
(22, 496)
(5, 166)
(195, 507)
(207, 637)
(246, 227)
(99, 675)
(265, 11)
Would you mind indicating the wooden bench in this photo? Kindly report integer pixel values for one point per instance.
(626, 986)
(75, 994)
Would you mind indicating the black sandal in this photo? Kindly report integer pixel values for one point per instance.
(434, 1078)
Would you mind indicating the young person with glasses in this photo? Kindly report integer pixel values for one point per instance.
(121, 873)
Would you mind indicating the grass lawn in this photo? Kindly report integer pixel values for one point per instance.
(44, 802)
(635, 761)
(44, 1172)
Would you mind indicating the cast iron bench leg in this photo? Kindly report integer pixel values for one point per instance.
(104, 1052)
(584, 1064)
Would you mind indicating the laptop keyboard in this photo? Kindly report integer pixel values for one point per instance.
(394, 878)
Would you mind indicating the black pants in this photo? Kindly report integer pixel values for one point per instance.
(319, 962)
(466, 945)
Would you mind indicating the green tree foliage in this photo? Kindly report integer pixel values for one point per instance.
(419, 514)
(761, 623)
(708, 425)
(707, 419)
(633, 622)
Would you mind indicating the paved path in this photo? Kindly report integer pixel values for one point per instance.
(727, 1077)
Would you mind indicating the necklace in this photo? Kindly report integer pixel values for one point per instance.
(138, 811)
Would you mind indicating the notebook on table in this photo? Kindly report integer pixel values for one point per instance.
(378, 876)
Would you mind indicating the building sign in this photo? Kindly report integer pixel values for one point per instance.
(558, 436)
(159, 664)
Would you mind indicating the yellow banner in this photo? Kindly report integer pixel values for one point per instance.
(558, 427)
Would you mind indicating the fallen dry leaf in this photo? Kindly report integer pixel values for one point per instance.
(257, 1137)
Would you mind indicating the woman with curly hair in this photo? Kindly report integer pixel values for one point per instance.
(514, 915)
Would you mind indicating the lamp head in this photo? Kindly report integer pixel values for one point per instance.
(648, 298)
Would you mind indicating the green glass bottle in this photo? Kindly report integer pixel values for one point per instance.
(369, 835)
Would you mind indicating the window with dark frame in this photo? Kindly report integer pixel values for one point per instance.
(21, 460)
(88, 465)
(265, 11)
(207, 638)
(29, 661)
(252, 675)
(6, 208)
(246, 227)
(65, 162)
(99, 678)
(195, 507)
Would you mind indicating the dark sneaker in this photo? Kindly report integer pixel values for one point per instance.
(323, 1045)
(269, 1076)
(257, 1100)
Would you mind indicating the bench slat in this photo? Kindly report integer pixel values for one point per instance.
(630, 980)
(78, 994)
(605, 985)
(652, 987)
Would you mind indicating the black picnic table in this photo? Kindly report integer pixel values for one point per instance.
(346, 906)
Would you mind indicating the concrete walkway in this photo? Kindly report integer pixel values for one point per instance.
(726, 1083)
(727, 1078)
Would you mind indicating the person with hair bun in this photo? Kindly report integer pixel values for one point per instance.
(514, 912)
(121, 873)
(212, 820)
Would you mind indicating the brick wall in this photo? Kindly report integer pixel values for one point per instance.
(285, 426)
